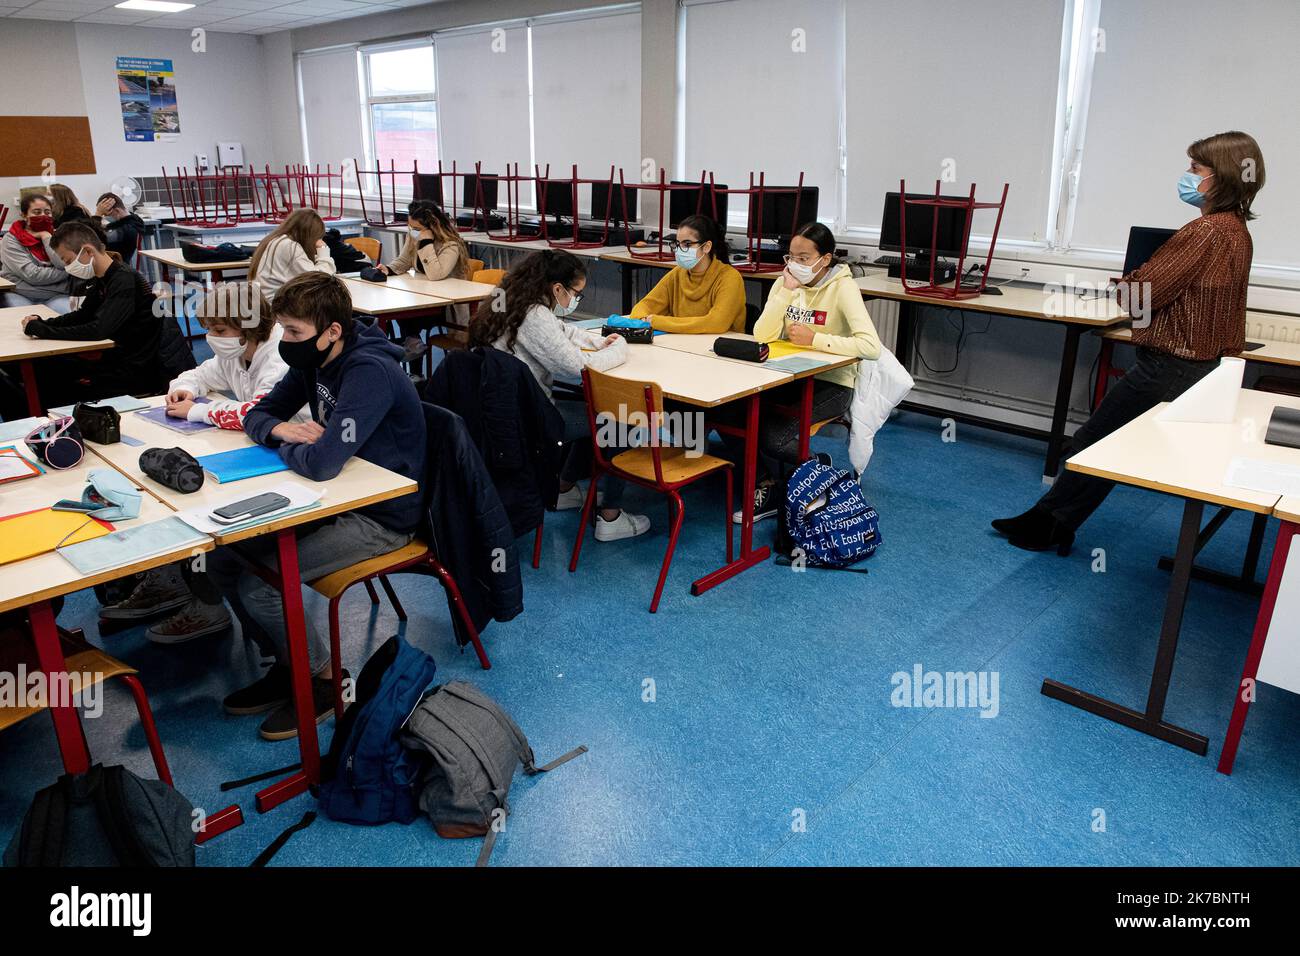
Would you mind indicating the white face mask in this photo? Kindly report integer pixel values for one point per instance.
(801, 272)
(414, 231)
(225, 346)
(81, 270)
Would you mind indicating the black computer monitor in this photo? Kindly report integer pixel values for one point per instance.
(428, 188)
(921, 237)
(703, 200)
(779, 211)
(604, 193)
(470, 193)
(557, 196)
(1143, 241)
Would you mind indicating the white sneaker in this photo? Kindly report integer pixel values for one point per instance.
(575, 497)
(626, 525)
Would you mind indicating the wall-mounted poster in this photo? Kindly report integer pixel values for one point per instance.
(147, 90)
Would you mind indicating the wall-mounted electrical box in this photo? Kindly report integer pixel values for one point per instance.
(230, 154)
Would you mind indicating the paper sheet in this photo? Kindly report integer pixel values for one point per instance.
(1212, 400)
(1267, 476)
(123, 404)
(300, 498)
(13, 466)
(131, 545)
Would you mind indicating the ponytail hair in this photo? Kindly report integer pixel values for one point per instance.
(524, 286)
(707, 228)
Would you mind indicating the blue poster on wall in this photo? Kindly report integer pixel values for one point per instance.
(147, 91)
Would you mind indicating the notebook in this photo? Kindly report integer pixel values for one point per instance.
(19, 428)
(159, 416)
(242, 463)
(123, 404)
(132, 544)
(796, 363)
(14, 467)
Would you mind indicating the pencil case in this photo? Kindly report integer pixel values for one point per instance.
(744, 349)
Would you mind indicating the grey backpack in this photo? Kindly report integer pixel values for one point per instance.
(473, 748)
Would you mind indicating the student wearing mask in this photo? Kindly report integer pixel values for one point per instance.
(122, 228)
(817, 305)
(28, 260)
(435, 250)
(540, 289)
(245, 365)
(118, 305)
(296, 246)
(703, 293)
(1194, 290)
(362, 405)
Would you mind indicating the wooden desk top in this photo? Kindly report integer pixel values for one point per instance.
(1190, 459)
(49, 575)
(14, 345)
(1025, 303)
(703, 345)
(1273, 353)
(174, 259)
(360, 483)
(6, 285)
(696, 379)
(376, 298)
(449, 290)
(1288, 509)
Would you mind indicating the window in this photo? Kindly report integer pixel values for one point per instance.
(401, 108)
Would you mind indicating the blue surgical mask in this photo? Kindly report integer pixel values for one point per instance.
(688, 259)
(1187, 190)
(562, 310)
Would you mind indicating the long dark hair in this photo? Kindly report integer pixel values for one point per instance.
(708, 230)
(435, 219)
(526, 285)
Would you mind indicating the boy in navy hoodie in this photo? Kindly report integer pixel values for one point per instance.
(362, 403)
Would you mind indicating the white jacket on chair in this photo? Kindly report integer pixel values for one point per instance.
(881, 385)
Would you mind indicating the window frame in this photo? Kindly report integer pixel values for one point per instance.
(369, 99)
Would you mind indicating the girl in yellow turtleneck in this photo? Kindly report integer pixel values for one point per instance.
(704, 294)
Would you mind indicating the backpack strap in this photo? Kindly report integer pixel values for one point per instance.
(278, 843)
(565, 758)
(485, 851)
(109, 796)
(41, 843)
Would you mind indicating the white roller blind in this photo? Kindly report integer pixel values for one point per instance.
(966, 89)
(483, 99)
(761, 97)
(1171, 72)
(592, 118)
(331, 106)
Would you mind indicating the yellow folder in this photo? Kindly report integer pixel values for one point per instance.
(27, 535)
(782, 349)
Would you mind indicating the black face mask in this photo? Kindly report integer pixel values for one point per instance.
(303, 355)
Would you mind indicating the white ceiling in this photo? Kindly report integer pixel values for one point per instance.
(222, 16)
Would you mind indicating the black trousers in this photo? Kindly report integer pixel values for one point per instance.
(778, 436)
(1157, 377)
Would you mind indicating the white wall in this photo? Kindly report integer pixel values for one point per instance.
(220, 94)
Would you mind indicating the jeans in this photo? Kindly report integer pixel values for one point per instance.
(59, 303)
(778, 435)
(323, 547)
(577, 463)
(1157, 377)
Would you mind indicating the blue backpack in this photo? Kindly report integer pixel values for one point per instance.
(827, 518)
(368, 776)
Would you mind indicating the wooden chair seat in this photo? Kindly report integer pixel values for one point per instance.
(332, 585)
(367, 246)
(676, 466)
(89, 661)
(490, 276)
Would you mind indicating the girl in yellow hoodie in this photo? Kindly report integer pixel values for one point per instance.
(815, 304)
(704, 293)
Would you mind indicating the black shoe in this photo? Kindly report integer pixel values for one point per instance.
(282, 724)
(1057, 537)
(1034, 523)
(268, 692)
(764, 503)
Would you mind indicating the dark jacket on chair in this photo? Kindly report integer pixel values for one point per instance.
(516, 428)
(465, 524)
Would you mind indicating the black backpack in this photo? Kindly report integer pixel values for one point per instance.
(105, 817)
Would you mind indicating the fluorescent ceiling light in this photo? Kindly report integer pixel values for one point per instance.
(157, 6)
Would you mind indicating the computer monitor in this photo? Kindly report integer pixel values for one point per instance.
(1143, 241)
(779, 211)
(688, 202)
(603, 193)
(921, 237)
(558, 197)
(428, 188)
(470, 194)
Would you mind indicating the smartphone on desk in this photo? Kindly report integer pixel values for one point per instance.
(253, 507)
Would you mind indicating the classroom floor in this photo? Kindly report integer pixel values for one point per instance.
(772, 697)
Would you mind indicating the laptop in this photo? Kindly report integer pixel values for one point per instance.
(1143, 241)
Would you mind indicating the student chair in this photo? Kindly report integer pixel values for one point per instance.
(473, 267)
(4, 214)
(490, 276)
(367, 246)
(662, 469)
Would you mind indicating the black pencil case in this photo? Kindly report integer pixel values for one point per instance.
(746, 349)
(638, 336)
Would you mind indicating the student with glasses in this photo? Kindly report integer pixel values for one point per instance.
(703, 293)
(540, 289)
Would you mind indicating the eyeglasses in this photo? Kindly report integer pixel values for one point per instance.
(799, 261)
(684, 244)
(576, 296)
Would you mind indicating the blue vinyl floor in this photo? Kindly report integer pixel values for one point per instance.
(771, 738)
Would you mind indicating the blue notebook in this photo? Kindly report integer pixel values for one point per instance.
(242, 463)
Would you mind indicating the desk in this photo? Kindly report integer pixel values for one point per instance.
(1074, 314)
(6, 285)
(173, 258)
(17, 347)
(629, 264)
(449, 290)
(1188, 460)
(380, 299)
(359, 483)
(1273, 353)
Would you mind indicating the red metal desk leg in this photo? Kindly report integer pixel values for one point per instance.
(805, 419)
(300, 672)
(29, 385)
(67, 724)
(1262, 622)
(749, 556)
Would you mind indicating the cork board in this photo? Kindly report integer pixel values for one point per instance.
(26, 142)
